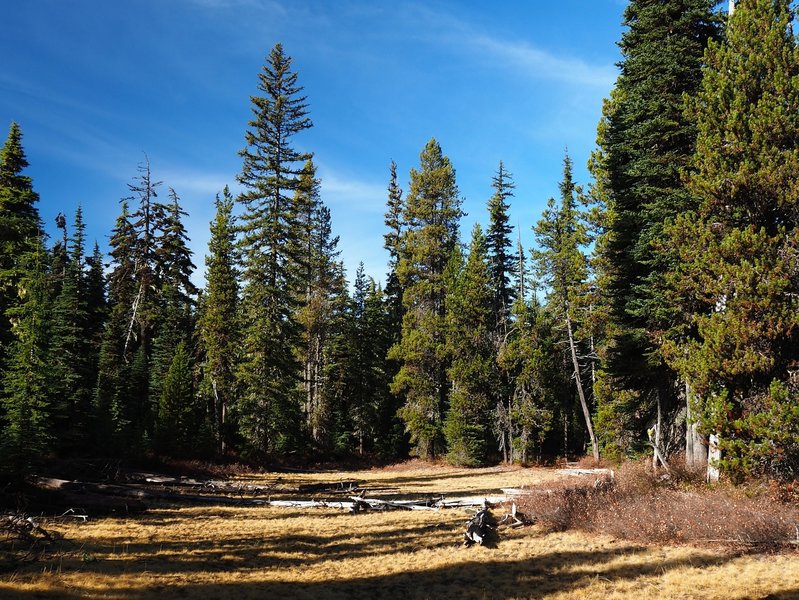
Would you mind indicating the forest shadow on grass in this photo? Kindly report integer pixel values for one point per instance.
(569, 572)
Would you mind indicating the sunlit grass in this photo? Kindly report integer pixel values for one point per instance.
(230, 552)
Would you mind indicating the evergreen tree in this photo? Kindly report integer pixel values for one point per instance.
(735, 340)
(180, 419)
(432, 212)
(27, 400)
(115, 406)
(646, 141)
(72, 351)
(528, 360)
(473, 359)
(219, 326)
(20, 228)
(501, 259)
(269, 408)
(562, 266)
(391, 437)
(173, 268)
(321, 315)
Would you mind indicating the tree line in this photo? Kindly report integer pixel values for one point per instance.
(656, 311)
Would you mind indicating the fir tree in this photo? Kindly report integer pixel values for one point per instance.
(473, 362)
(113, 398)
(501, 259)
(269, 408)
(72, 351)
(645, 142)
(180, 419)
(528, 360)
(27, 382)
(432, 212)
(219, 326)
(173, 268)
(562, 266)
(20, 228)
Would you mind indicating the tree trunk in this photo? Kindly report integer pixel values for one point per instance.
(656, 445)
(713, 458)
(695, 443)
(580, 392)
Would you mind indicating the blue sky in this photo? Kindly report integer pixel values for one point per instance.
(96, 84)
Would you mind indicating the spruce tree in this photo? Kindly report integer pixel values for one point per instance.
(501, 259)
(20, 227)
(219, 326)
(734, 341)
(472, 370)
(175, 299)
(432, 212)
(646, 141)
(391, 437)
(115, 407)
(27, 382)
(72, 351)
(180, 419)
(269, 408)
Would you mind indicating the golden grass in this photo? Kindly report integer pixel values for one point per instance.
(223, 552)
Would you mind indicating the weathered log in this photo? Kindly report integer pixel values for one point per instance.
(334, 487)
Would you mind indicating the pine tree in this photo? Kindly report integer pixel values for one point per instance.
(269, 409)
(646, 141)
(735, 340)
(472, 371)
(20, 228)
(432, 212)
(321, 314)
(562, 236)
(179, 419)
(219, 326)
(73, 355)
(114, 405)
(502, 261)
(391, 437)
(175, 299)
(529, 361)
(26, 383)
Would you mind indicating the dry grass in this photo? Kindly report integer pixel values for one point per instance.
(322, 554)
(642, 506)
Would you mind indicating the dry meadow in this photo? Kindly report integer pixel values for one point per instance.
(322, 553)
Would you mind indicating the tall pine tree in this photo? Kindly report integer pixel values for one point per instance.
(219, 326)
(432, 211)
(646, 141)
(269, 408)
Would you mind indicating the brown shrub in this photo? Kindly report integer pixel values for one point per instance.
(640, 504)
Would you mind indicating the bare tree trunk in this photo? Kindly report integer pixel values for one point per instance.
(655, 437)
(580, 392)
(713, 458)
(695, 444)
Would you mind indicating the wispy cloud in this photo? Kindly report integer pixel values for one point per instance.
(538, 63)
(355, 194)
(228, 4)
(186, 181)
(526, 59)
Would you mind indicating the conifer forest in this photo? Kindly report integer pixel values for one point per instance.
(657, 311)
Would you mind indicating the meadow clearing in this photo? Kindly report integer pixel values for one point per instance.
(227, 552)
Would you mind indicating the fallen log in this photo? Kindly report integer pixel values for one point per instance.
(334, 487)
